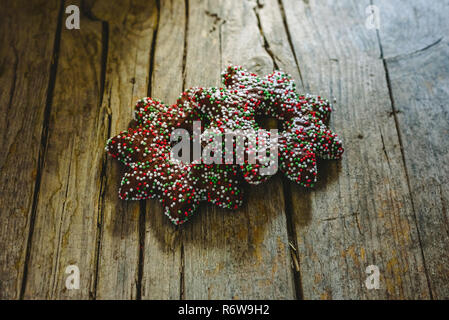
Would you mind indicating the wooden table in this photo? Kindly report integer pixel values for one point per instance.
(64, 92)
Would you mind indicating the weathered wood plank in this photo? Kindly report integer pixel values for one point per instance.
(161, 276)
(130, 26)
(416, 57)
(27, 34)
(242, 254)
(66, 231)
(361, 213)
(368, 209)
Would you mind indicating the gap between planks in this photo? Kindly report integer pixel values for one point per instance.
(286, 190)
(401, 147)
(43, 143)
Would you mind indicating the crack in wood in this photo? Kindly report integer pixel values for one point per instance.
(182, 274)
(184, 56)
(411, 54)
(266, 45)
(355, 214)
(290, 42)
(142, 232)
(153, 48)
(384, 148)
(103, 176)
(217, 20)
(292, 239)
(14, 79)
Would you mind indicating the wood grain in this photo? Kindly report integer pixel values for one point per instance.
(418, 74)
(361, 213)
(27, 40)
(66, 228)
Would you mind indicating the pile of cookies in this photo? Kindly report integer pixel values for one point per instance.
(152, 172)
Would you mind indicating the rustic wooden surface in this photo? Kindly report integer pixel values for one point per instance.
(64, 92)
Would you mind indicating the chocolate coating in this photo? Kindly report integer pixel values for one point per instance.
(144, 148)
